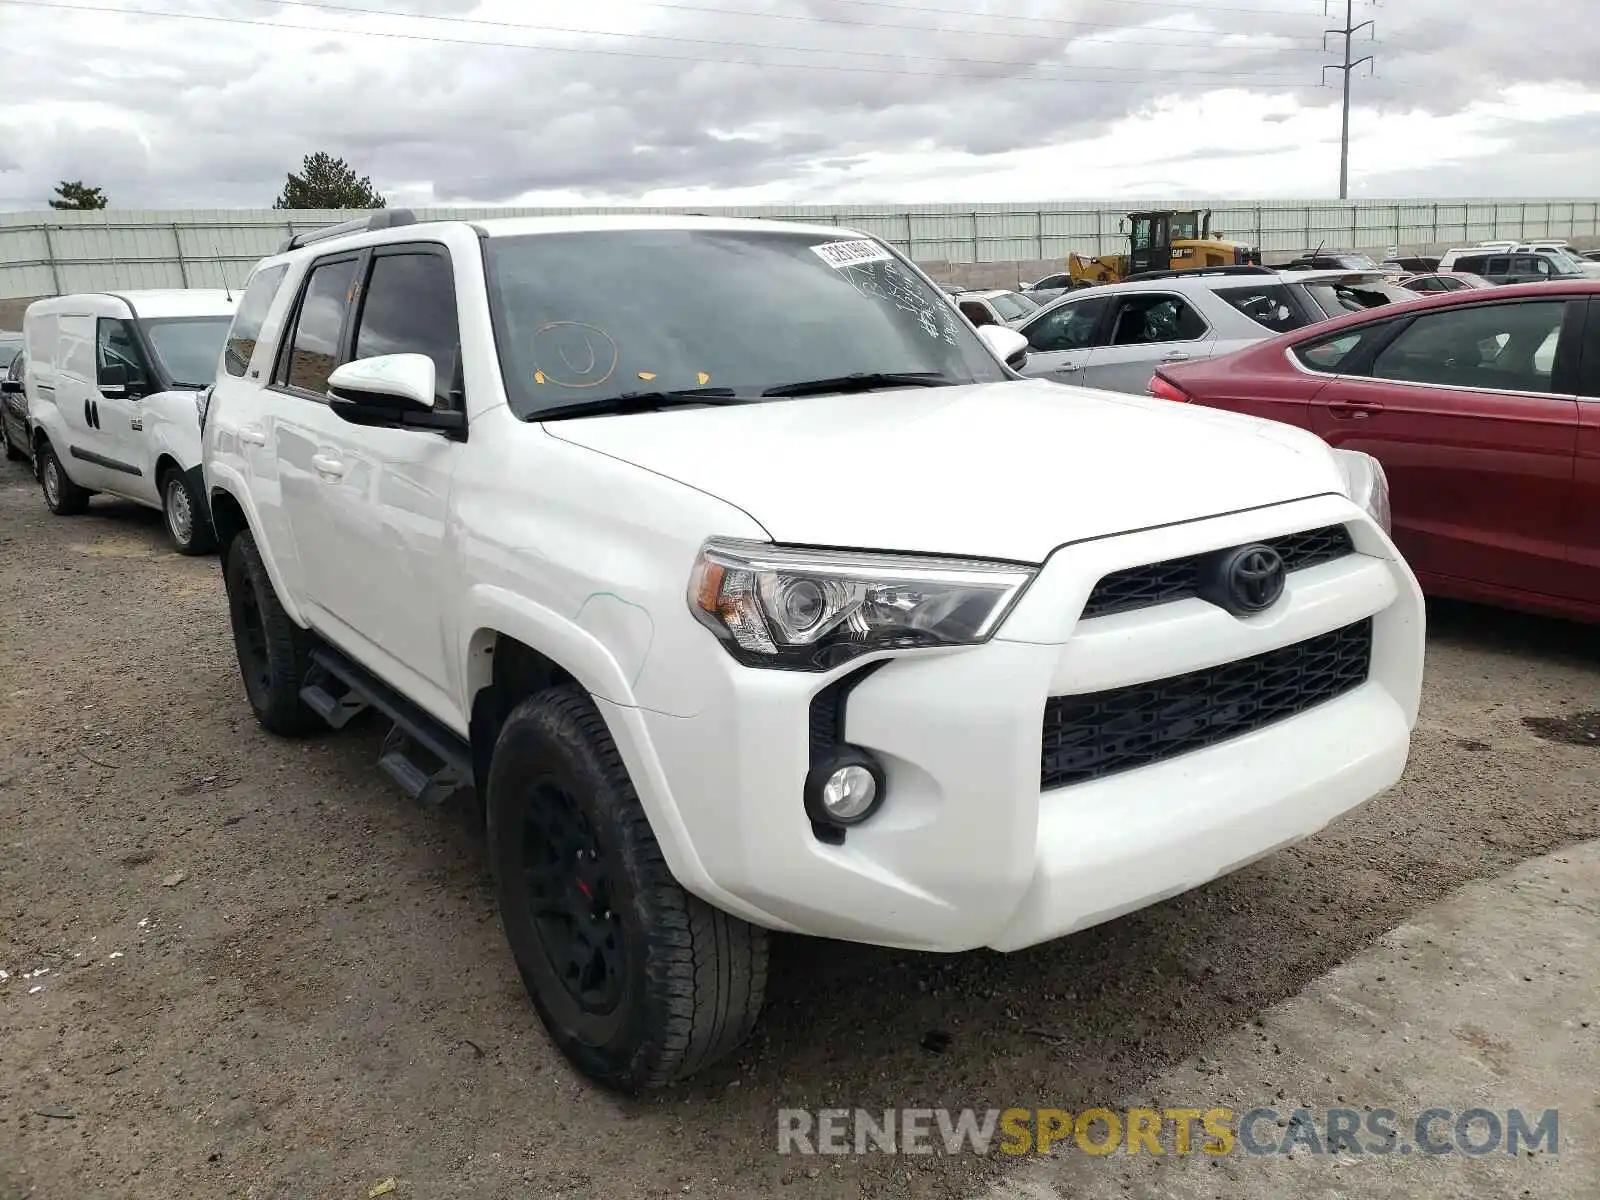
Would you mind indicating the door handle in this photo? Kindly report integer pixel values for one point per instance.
(253, 435)
(327, 465)
(1175, 356)
(1356, 410)
(1068, 368)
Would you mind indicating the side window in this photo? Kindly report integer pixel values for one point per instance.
(1498, 266)
(976, 313)
(1143, 320)
(1070, 327)
(1268, 305)
(250, 316)
(409, 307)
(114, 345)
(1498, 347)
(313, 349)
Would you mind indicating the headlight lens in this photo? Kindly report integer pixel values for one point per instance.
(810, 610)
(1366, 484)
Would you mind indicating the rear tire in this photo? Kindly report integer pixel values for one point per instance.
(61, 495)
(188, 524)
(274, 653)
(638, 982)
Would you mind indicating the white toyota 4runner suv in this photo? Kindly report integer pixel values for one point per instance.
(752, 590)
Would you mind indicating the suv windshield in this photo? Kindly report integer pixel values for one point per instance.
(1012, 307)
(597, 315)
(188, 347)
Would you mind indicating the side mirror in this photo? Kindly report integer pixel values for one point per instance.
(1006, 344)
(11, 387)
(390, 389)
(1023, 287)
(112, 380)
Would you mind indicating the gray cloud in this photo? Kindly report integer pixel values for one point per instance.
(213, 114)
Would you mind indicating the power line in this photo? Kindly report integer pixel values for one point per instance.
(956, 12)
(595, 50)
(1053, 38)
(1348, 33)
(356, 10)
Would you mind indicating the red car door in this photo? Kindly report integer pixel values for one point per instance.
(1583, 512)
(1472, 410)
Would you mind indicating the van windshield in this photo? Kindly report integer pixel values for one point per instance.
(601, 315)
(188, 347)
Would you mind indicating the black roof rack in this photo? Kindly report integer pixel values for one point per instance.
(385, 218)
(1236, 270)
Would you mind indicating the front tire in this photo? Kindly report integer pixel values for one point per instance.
(188, 526)
(274, 653)
(61, 495)
(638, 982)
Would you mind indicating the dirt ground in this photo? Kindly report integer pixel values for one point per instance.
(268, 975)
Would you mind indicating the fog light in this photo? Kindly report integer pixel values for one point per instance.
(849, 793)
(844, 789)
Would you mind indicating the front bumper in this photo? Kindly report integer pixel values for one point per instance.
(967, 851)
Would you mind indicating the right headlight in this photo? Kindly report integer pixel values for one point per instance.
(1366, 484)
(810, 610)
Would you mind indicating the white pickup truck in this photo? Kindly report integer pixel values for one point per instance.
(753, 590)
(113, 382)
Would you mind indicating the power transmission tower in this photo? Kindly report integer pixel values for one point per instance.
(1348, 32)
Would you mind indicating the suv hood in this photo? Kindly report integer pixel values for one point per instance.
(1006, 470)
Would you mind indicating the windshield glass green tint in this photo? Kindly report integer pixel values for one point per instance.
(590, 316)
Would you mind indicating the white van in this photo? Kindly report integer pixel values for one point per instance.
(114, 382)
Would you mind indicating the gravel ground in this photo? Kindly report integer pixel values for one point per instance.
(269, 975)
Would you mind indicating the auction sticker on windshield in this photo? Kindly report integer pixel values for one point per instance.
(851, 254)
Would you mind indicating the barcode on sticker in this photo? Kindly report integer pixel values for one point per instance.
(850, 254)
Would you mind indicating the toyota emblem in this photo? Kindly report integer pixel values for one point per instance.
(1245, 580)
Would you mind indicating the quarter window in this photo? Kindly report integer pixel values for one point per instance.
(250, 316)
(1143, 320)
(1496, 347)
(1330, 354)
(1069, 327)
(409, 307)
(314, 349)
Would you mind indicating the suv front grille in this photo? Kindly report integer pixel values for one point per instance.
(1091, 736)
(1179, 578)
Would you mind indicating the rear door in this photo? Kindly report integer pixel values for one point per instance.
(1061, 339)
(1472, 411)
(77, 399)
(1147, 330)
(1583, 510)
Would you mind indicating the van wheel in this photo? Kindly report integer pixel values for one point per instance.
(638, 982)
(188, 526)
(274, 653)
(61, 495)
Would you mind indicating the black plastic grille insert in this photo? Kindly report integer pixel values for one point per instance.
(1179, 578)
(1091, 736)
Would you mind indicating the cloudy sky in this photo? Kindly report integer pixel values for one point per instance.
(206, 103)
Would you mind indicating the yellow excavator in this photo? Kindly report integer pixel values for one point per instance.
(1168, 240)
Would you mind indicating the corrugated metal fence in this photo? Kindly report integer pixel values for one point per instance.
(51, 253)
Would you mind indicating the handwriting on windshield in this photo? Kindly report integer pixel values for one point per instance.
(570, 354)
(888, 282)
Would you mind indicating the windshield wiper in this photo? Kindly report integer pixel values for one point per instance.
(632, 402)
(860, 382)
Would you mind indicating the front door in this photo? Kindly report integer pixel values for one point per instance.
(1471, 412)
(367, 506)
(1147, 330)
(119, 419)
(1583, 506)
(1062, 339)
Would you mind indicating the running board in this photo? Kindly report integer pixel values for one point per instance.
(427, 760)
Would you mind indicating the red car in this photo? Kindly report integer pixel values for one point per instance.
(1484, 409)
